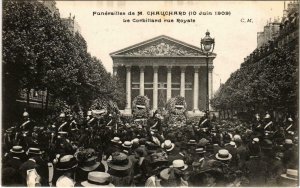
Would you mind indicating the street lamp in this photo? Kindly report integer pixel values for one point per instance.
(208, 45)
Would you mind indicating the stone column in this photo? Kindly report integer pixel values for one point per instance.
(182, 81)
(142, 80)
(169, 82)
(196, 87)
(155, 87)
(128, 89)
(115, 70)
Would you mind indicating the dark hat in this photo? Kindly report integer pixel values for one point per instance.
(266, 144)
(98, 179)
(66, 162)
(158, 157)
(203, 142)
(17, 149)
(119, 162)
(34, 151)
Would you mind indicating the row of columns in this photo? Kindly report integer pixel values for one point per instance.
(169, 84)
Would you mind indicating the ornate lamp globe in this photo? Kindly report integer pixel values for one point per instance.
(207, 43)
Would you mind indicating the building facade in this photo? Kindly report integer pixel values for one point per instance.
(162, 68)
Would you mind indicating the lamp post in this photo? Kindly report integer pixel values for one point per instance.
(207, 45)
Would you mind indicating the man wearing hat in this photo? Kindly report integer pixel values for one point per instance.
(172, 151)
(36, 162)
(255, 168)
(15, 160)
(289, 178)
(27, 125)
(120, 169)
(87, 162)
(268, 124)
(115, 146)
(62, 124)
(290, 154)
(63, 144)
(65, 171)
(175, 175)
(98, 179)
(257, 127)
(241, 152)
(204, 122)
(290, 128)
(199, 156)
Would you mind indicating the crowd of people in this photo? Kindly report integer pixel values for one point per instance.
(104, 150)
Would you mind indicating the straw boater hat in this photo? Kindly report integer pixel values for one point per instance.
(35, 151)
(127, 144)
(223, 155)
(168, 145)
(291, 174)
(98, 179)
(179, 164)
(200, 150)
(119, 162)
(66, 162)
(232, 143)
(116, 140)
(90, 164)
(17, 149)
(192, 142)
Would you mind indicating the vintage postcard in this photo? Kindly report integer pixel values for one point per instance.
(150, 93)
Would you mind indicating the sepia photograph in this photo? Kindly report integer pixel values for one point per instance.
(149, 93)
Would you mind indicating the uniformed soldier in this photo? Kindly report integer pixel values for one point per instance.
(27, 126)
(290, 128)
(268, 125)
(257, 127)
(204, 123)
(62, 124)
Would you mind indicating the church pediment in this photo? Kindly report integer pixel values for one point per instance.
(161, 46)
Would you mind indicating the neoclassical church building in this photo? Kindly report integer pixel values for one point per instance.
(162, 68)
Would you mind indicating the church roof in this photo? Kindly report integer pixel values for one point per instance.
(160, 46)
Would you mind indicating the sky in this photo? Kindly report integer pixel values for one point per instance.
(234, 39)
